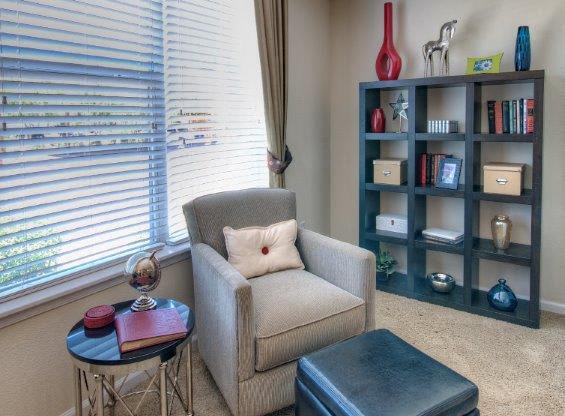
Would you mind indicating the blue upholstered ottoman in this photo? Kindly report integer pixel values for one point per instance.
(378, 373)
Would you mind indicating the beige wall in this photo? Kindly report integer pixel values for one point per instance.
(35, 368)
(308, 133)
(484, 27)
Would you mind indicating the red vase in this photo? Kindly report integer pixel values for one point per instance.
(388, 63)
(378, 121)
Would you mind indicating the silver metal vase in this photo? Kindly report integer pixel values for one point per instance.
(501, 228)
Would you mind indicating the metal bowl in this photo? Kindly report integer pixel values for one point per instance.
(441, 282)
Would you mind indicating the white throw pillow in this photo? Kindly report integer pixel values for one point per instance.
(255, 251)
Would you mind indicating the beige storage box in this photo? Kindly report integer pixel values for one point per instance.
(503, 178)
(389, 171)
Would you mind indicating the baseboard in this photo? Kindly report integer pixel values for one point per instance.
(554, 307)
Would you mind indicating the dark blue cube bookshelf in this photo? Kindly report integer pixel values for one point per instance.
(467, 297)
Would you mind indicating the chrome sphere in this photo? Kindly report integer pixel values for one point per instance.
(143, 273)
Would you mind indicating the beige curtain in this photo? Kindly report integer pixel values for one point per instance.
(271, 17)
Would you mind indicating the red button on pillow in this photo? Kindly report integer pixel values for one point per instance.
(265, 250)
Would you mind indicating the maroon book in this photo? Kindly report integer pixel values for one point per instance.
(530, 116)
(498, 117)
(423, 166)
(143, 329)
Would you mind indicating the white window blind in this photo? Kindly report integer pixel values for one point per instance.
(82, 150)
(216, 138)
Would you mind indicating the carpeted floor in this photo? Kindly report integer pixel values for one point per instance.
(519, 371)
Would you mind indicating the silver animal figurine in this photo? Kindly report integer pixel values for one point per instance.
(445, 34)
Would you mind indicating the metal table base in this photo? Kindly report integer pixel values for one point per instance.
(164, 382)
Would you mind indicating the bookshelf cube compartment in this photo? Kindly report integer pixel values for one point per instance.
(391, 96)
(445, 263)
(517, 278)
(500, 92)
(441, 103)
(381, 202)
(445, 213)
(441, 263)
(400, 255)
(394, 149)
(439, 212)
(398, 280)
(508, 153)
(453, 148)
(519, 251)
(381, 98)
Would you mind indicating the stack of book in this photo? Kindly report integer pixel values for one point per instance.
(443, 236)
(428, 167)
(443, 126)
(511, 116)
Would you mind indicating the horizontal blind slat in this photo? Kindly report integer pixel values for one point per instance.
(82, 143)
(215, 133)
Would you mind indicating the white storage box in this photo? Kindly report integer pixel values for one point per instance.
(392, 222)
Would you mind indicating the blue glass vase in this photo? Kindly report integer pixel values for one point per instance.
(522, 55)
(501, 297)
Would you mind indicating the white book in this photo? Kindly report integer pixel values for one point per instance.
(446, 235)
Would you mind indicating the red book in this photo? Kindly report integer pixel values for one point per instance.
(143, 329)
(498, 117)
(530, 116)
(433, 169)
(423, 165)
(436, 168)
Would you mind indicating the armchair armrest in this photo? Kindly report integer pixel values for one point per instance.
(346, 266)
(224, 319)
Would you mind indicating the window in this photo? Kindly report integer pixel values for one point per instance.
(216, 138)
(112, 118)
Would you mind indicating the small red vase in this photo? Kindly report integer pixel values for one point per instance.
(378, 121)
(388, 63)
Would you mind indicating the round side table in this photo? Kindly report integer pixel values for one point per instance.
(96, 351)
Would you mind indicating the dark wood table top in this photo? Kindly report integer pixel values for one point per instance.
(100, 346)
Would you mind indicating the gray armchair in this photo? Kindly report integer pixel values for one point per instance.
(251, 332)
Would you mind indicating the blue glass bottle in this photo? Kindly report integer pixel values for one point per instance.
(501, 297)
(522, 55)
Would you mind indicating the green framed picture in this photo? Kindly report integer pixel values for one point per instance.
(484, 64)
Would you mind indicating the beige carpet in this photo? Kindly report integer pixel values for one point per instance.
(519, 371)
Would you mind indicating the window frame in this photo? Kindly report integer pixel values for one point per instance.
(40, 299)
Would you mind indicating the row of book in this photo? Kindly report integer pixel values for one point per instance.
(511, 116)
(428, 167)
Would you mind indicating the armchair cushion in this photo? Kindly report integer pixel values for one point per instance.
(255, 251)
(297, 312)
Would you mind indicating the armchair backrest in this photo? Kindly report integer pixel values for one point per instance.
(207, 215)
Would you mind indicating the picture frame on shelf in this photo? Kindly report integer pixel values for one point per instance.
(448, 173)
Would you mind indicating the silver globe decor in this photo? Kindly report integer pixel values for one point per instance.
(143, 273)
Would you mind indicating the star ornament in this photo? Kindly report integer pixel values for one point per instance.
(399, 107)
